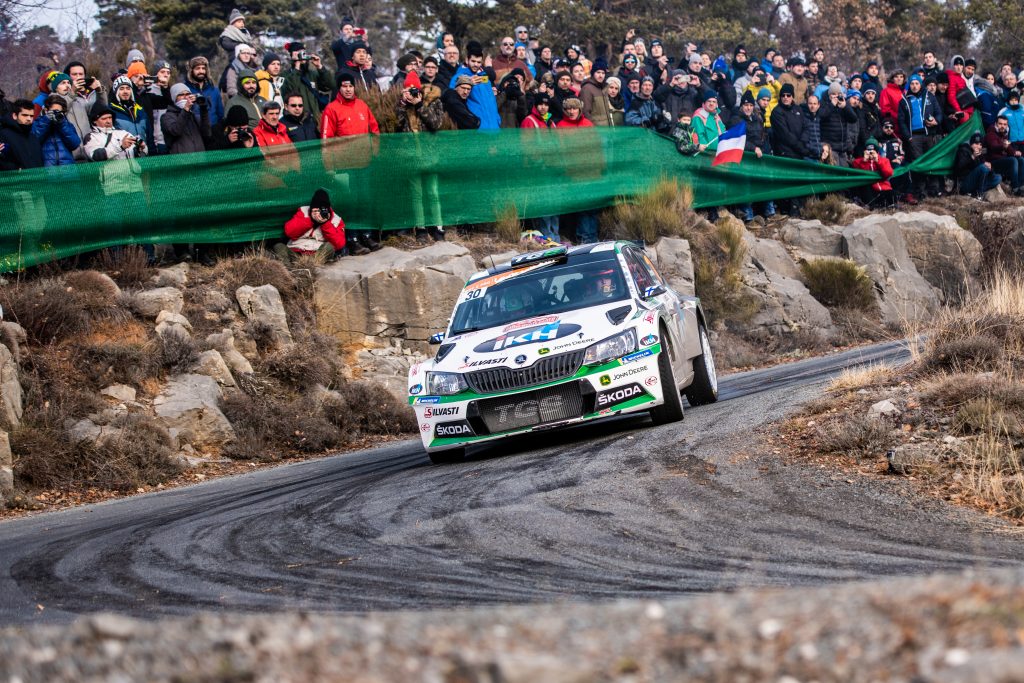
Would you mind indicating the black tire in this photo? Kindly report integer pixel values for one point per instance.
(452, 455)
(672, 409)
(704, 389)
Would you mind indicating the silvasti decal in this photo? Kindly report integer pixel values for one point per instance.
(530, 335)
(441, 411)
(613, 397)
(450, 429)
(483, 361)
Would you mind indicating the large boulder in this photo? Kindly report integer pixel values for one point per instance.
(211, 364)
(224, 341)
(6, 469)
(264, 305)
(786, 306)
(946, 255)
(150, 302)
(370, 300)
(388, 367)
(675, 263)
(876, 242)
(191, 403)
(10, 389)
(812, 238)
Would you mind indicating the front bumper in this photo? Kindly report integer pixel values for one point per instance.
(628, 384)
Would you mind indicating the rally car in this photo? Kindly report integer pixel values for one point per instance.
(559, 337)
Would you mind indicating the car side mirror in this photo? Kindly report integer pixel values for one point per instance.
(437, 338)
(654, 291)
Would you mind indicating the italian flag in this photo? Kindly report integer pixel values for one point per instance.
(730, 145)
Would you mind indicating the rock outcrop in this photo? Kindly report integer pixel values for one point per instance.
(148, 303)
(263, 305)
(876, 242)
(812, 238)
(392, 294)
(947, 256)
(10, 389)
(189, 406)
(674, 261)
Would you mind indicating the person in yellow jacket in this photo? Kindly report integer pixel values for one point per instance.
(270, 79)
(760, 83)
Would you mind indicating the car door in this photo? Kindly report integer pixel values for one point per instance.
(648, 281)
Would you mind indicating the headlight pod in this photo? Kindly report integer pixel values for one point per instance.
(445, 383)
(611, 348)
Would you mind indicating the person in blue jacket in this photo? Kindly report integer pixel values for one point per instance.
(482, 101)
(1014, 113)
(128, 114)
(57, 137)
(198, 81)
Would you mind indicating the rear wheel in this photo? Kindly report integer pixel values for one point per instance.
(704, 389)
(449, 456)
(672, 409)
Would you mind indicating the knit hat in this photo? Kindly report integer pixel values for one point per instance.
(246, 74)
(242, 47)
(871, 144)
(55, 78)
(677, 72)
(696, 59)
(870, 87)
(942, 77)
(572, 103)
(787, 89)
(295, 46)
(349, 21)
(405, 61)
(235, 16)
(134, 56)
(710, 95)
(835, 88)
(541, 98)
(600, 64)
(977, 139)
(629, 58)
(916, 77)
(122, 80)
(137, 69)
(957, 59)
(763, 93)
(358, 45)
(237, 116)
(645, 79)
(412, 80)
(614, 80)
(463, 80)
(99, 110)
(852, 93)
(655, 42)
(344, 77)
(196, 61)
(1014, 94)
(269, 58)
(748, 98)
(796, 60)
(431, 59)
(177, 90)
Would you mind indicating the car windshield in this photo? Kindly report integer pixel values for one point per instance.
(587, 280)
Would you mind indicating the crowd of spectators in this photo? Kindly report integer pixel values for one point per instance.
(795, 104)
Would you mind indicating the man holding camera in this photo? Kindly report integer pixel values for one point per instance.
(880, 193)
(57, 137)
(86, 93)
(309, 79)
(234, 131)
(182, 133)
(198, 81)
(481, 101)
(104, 142)
(129, 114)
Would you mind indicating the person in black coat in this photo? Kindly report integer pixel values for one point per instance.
(677, 96)
(788, 127)
(297, 121)
(454, 101)
(18, 148)
(182, 133)
(836, 119)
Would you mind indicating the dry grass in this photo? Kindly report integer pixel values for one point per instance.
(860, 436)
(719, 251)
(862, 377)
(664, 211)
(128, 266)
(255, 268)
(507, 226)
(830, 209)
(839, 283)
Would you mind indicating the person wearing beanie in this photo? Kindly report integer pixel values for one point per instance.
(133, 57)
(630, 68)
(573, 115)
(878, 194)
(406, 63)
(795, 77)
(186, 123)
(234, 132)
(270, 79)
(513, 106)
(349, 35)
(677, 96)
(347, 114)
(419, 109)
(360, 67)
(198, 82)
(55, 135)
(245, 58)
(616, 101)
(129, 114)
(707, 122)
(756, 143)
(104, 142)
(309, 78)
(315, 229)
(595, 102)
(432, 74)
(871, 76)
(456, 103)
(788, 126)
(248, 97)
(235, 33)
(870, 112)
(958, 112)
(481, 101)
(839, 123)
(739, 64)
(1014, 114)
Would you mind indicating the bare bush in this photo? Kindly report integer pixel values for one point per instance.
(255, 269)
(829, 209)
(664, 211)
(839, 283)
(268, 428)
(507, 226)
(46, 309)
(177, 352)
(128, 266)
(375, 410)
(975, 353)
(860, 436)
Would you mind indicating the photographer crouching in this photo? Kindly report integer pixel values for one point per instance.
(234, 132)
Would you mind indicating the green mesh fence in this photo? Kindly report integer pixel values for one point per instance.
(382, 182)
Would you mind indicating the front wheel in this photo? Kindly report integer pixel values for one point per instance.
(449, 456)
(672, 409)
(704, 388)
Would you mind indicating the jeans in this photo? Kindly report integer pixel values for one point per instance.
(979, 181)
(548, 225)
(586, 231)
(1011, 168)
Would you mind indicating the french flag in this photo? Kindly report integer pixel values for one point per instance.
(730, 145)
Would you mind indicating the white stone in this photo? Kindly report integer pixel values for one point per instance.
(6, 468)
(885, 407)
(119, 392)
(264, 304)
(191, 402)
(673, 259)
(211, 364)
(150, 302)
(172, 276)
(948, 257)
(10, 388)
(175, 318)
(812, 238)
(165, 328)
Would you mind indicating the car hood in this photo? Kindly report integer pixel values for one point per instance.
(524, 342)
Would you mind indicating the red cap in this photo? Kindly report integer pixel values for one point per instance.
(412, 80)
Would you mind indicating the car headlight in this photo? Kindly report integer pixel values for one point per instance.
(445, 383)
(610, 348)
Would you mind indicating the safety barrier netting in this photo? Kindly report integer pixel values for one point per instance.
(384, 182)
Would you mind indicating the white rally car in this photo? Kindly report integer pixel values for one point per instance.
(559, 337)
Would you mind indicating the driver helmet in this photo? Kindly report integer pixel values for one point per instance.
(604, 283)
(515, 300)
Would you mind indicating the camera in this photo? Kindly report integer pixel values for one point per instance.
(244, 134)
(202, 101)
(149, 80)
(414, 92)
(55, 115)
(306, 56)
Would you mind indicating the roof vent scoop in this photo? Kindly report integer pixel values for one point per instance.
(617, 315)
(443, 351)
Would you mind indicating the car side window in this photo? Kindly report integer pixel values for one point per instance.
(649, 265)
(641, 276)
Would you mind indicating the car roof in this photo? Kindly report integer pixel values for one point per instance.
(611, 247)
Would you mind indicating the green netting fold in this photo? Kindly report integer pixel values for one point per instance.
(383, 182)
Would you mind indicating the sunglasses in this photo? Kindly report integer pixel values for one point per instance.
(507, 44)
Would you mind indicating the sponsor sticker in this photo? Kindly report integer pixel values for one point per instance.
(449, 429)
(531, 322)
(520, 359)
(441, 412)
(649, 317)
(543, 351)
(428, 400)
(528, 335)
(483, 361)
(649, 340)
(424, 427)
(651, 381)
(415, 370)
(636, 356)
(416, 389)
(605, 380)
(627, 373)
(607, 399)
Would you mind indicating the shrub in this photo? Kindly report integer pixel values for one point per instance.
(176, 352)
(375, 410)
(996, 474)
(860, 436)
(267, 427)
(664, 211)
(46, 309)
(830, 209)
(974, 353)
(508, 227)
(839, 283)
(255, 269)
(719, 252)
(986, 415)
(128, 266)
(97, 292)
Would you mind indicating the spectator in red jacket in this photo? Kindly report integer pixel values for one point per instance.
(956, 84)
(878, 194)
(347, 114)
(314, 229)
(891, 96)
(574, 117)
(270, 131)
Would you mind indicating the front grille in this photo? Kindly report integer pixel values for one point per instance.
(543, 371)
(552, 404)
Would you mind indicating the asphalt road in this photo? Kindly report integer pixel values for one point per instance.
(609, 510)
